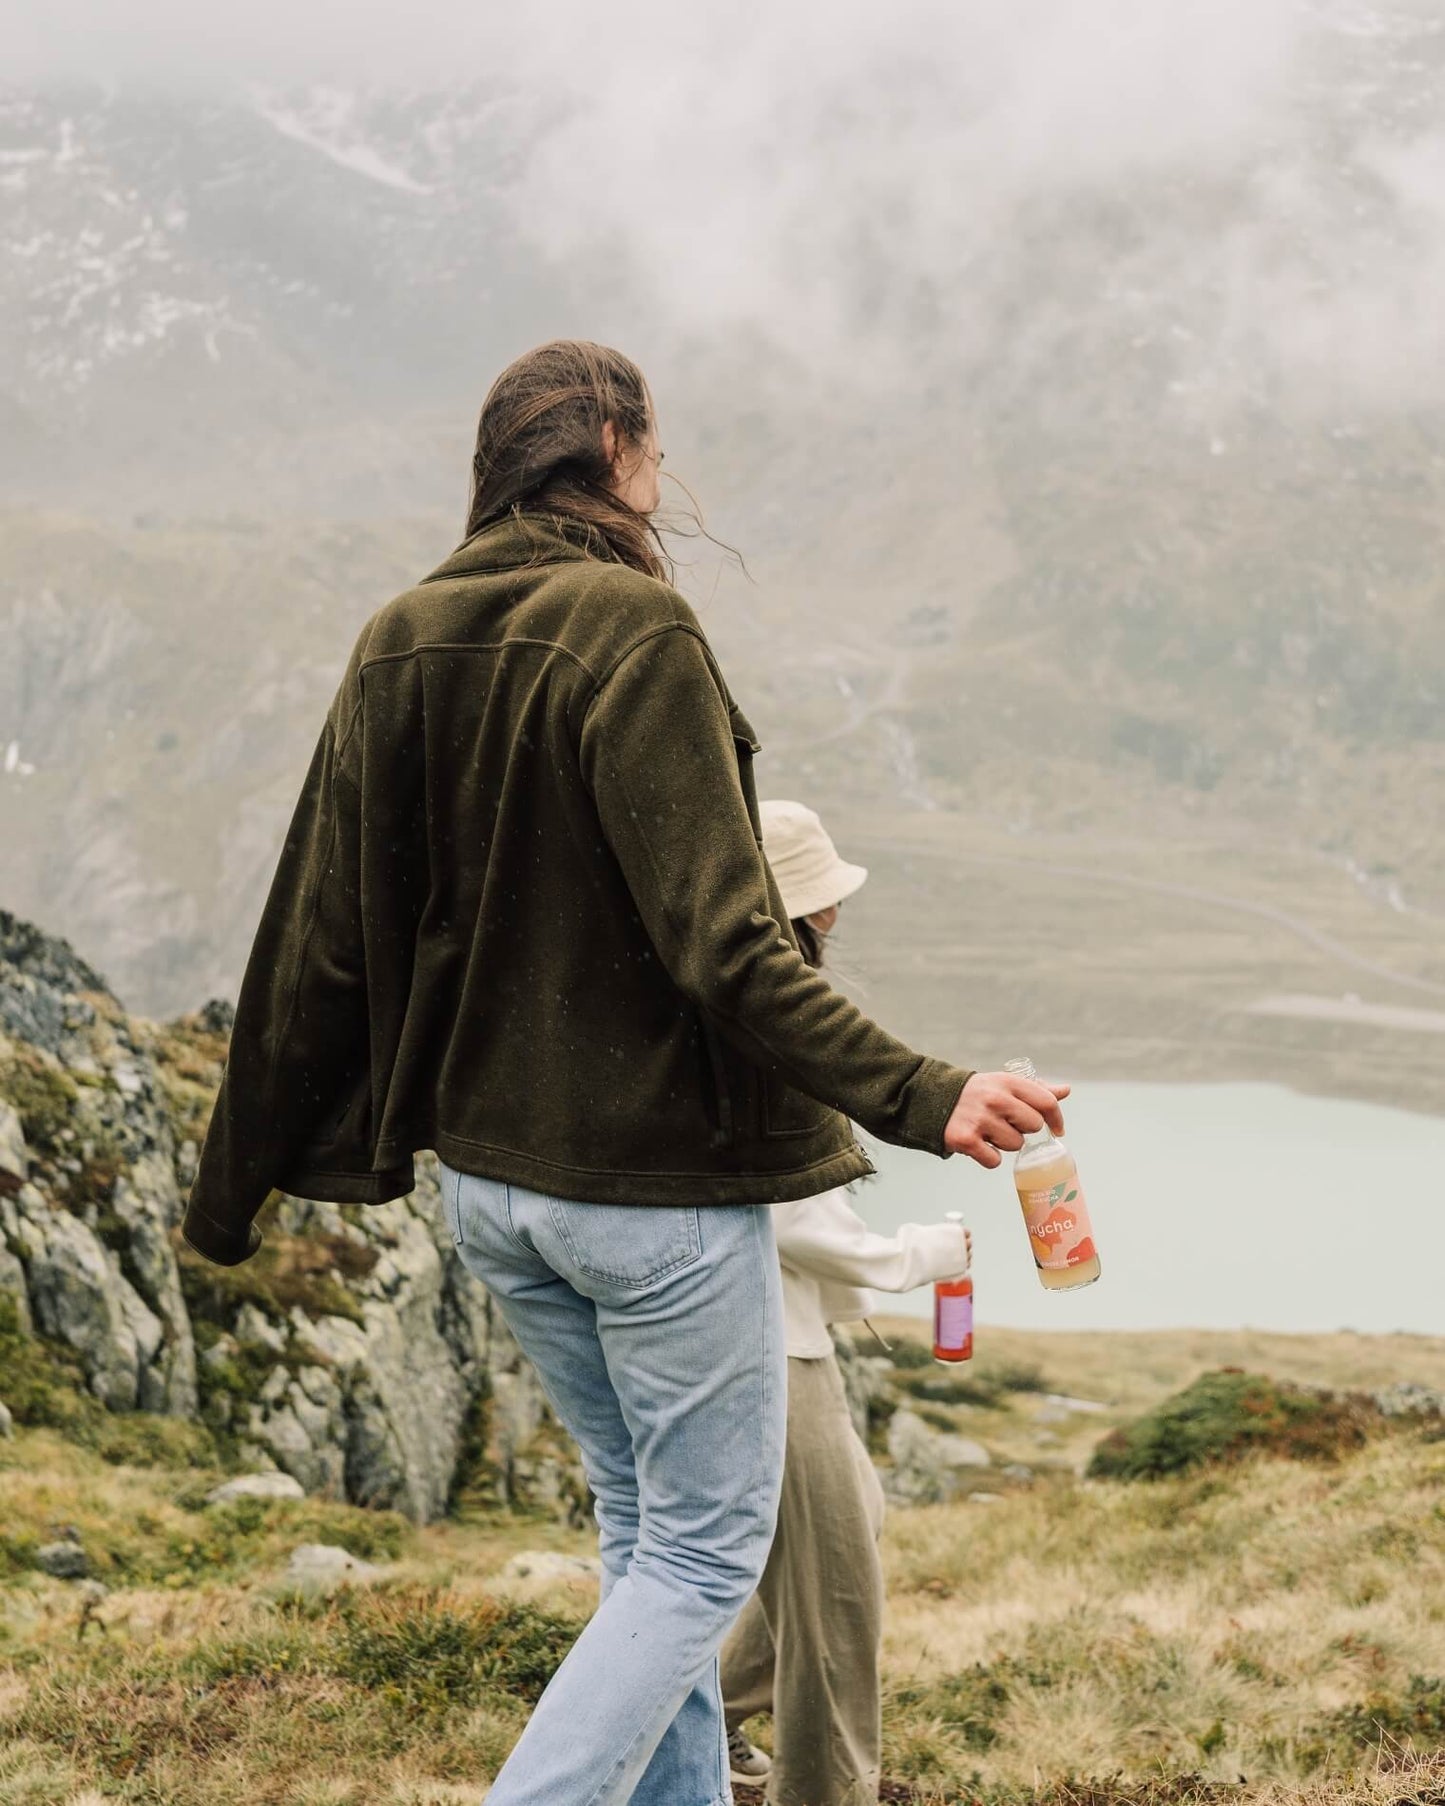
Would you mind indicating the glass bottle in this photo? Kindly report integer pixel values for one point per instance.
(953, 1314)
(1055, 1212)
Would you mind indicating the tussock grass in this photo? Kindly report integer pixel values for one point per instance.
(1264, 1631)
(1276, 1621)
(142, 1528)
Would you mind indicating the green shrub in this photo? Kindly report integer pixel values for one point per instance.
(43, 1094)
(288, 1272)
(1417, 1716)
(432, 1653)
(965, 1383)
(1227, 1415)
(1018, 1376)
(969, 1704)
(475, 1479)
(413, 1647)
(941, 1387)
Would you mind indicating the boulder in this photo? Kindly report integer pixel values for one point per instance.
(300, 1424)
(14, 1157)
(254, 1329)
(1408, 1398)
(78, 1294)
(927, 1462)
(546, 1565)
(7, 1422)
(146, 1204)
(256, 1486)
(401, 1400)
(867, 1381)
(222, 1350)
(64, 1560)
(1059, 1405)
(319, 1567)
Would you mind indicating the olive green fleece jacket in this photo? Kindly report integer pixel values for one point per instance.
(522, 916)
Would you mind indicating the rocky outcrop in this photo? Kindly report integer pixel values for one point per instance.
(354, 1353)
(928, 1465)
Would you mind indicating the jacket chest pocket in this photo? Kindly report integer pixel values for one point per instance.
(745, 745)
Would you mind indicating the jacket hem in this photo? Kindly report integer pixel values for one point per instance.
(336, 1186)
(582, 1186)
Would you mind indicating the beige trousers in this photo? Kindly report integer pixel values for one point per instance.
(806, 1647)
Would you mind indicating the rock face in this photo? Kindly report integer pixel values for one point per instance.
(354, 1353)
(927, 1463)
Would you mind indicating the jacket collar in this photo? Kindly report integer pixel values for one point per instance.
(520, 539)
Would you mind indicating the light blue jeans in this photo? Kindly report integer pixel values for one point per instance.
(657, 1332)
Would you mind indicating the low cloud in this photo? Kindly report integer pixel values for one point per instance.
(1251, 186)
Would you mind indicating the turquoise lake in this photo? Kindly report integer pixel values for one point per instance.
(1215, 1206)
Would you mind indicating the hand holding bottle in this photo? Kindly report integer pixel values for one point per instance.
(997, 1110)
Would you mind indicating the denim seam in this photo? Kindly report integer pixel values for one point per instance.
(507, 1218)
(456, 1212)
(723, 1777)
(600, 1791)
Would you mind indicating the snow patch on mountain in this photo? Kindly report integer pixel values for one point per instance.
(325, 121)
(91, 269)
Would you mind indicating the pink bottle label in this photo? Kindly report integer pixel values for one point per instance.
(953, 1321)
(1057, 1219)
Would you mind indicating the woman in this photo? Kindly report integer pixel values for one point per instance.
(807, 1646)
(522, 917)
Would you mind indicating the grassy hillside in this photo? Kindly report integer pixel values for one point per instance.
(1143, 955)
(1267, 1630)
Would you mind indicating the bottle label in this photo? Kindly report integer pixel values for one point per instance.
(1057, 1219)
(953, 1321)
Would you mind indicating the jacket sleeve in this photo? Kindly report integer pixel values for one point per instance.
(658, 755)
(299, 1044)
(827, 1239)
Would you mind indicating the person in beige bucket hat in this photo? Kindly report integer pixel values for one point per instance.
(811, 876)
(806, 1648)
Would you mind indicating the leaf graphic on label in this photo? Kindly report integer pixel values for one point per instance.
(1057, 1192)
(1072, 1195)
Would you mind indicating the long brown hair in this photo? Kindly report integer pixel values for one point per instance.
(539, 447)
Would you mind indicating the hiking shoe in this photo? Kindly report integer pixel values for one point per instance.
(747, 1764)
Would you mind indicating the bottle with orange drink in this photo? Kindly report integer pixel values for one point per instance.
(1055, 1212)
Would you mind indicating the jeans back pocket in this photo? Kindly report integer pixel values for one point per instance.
(627, 1244)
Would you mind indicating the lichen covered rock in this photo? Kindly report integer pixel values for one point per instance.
(354, 1353)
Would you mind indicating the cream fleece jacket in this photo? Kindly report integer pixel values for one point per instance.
(832, 1260)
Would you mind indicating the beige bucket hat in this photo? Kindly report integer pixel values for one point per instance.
(805, 862)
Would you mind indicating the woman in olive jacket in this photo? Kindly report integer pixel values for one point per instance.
(522, 917)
